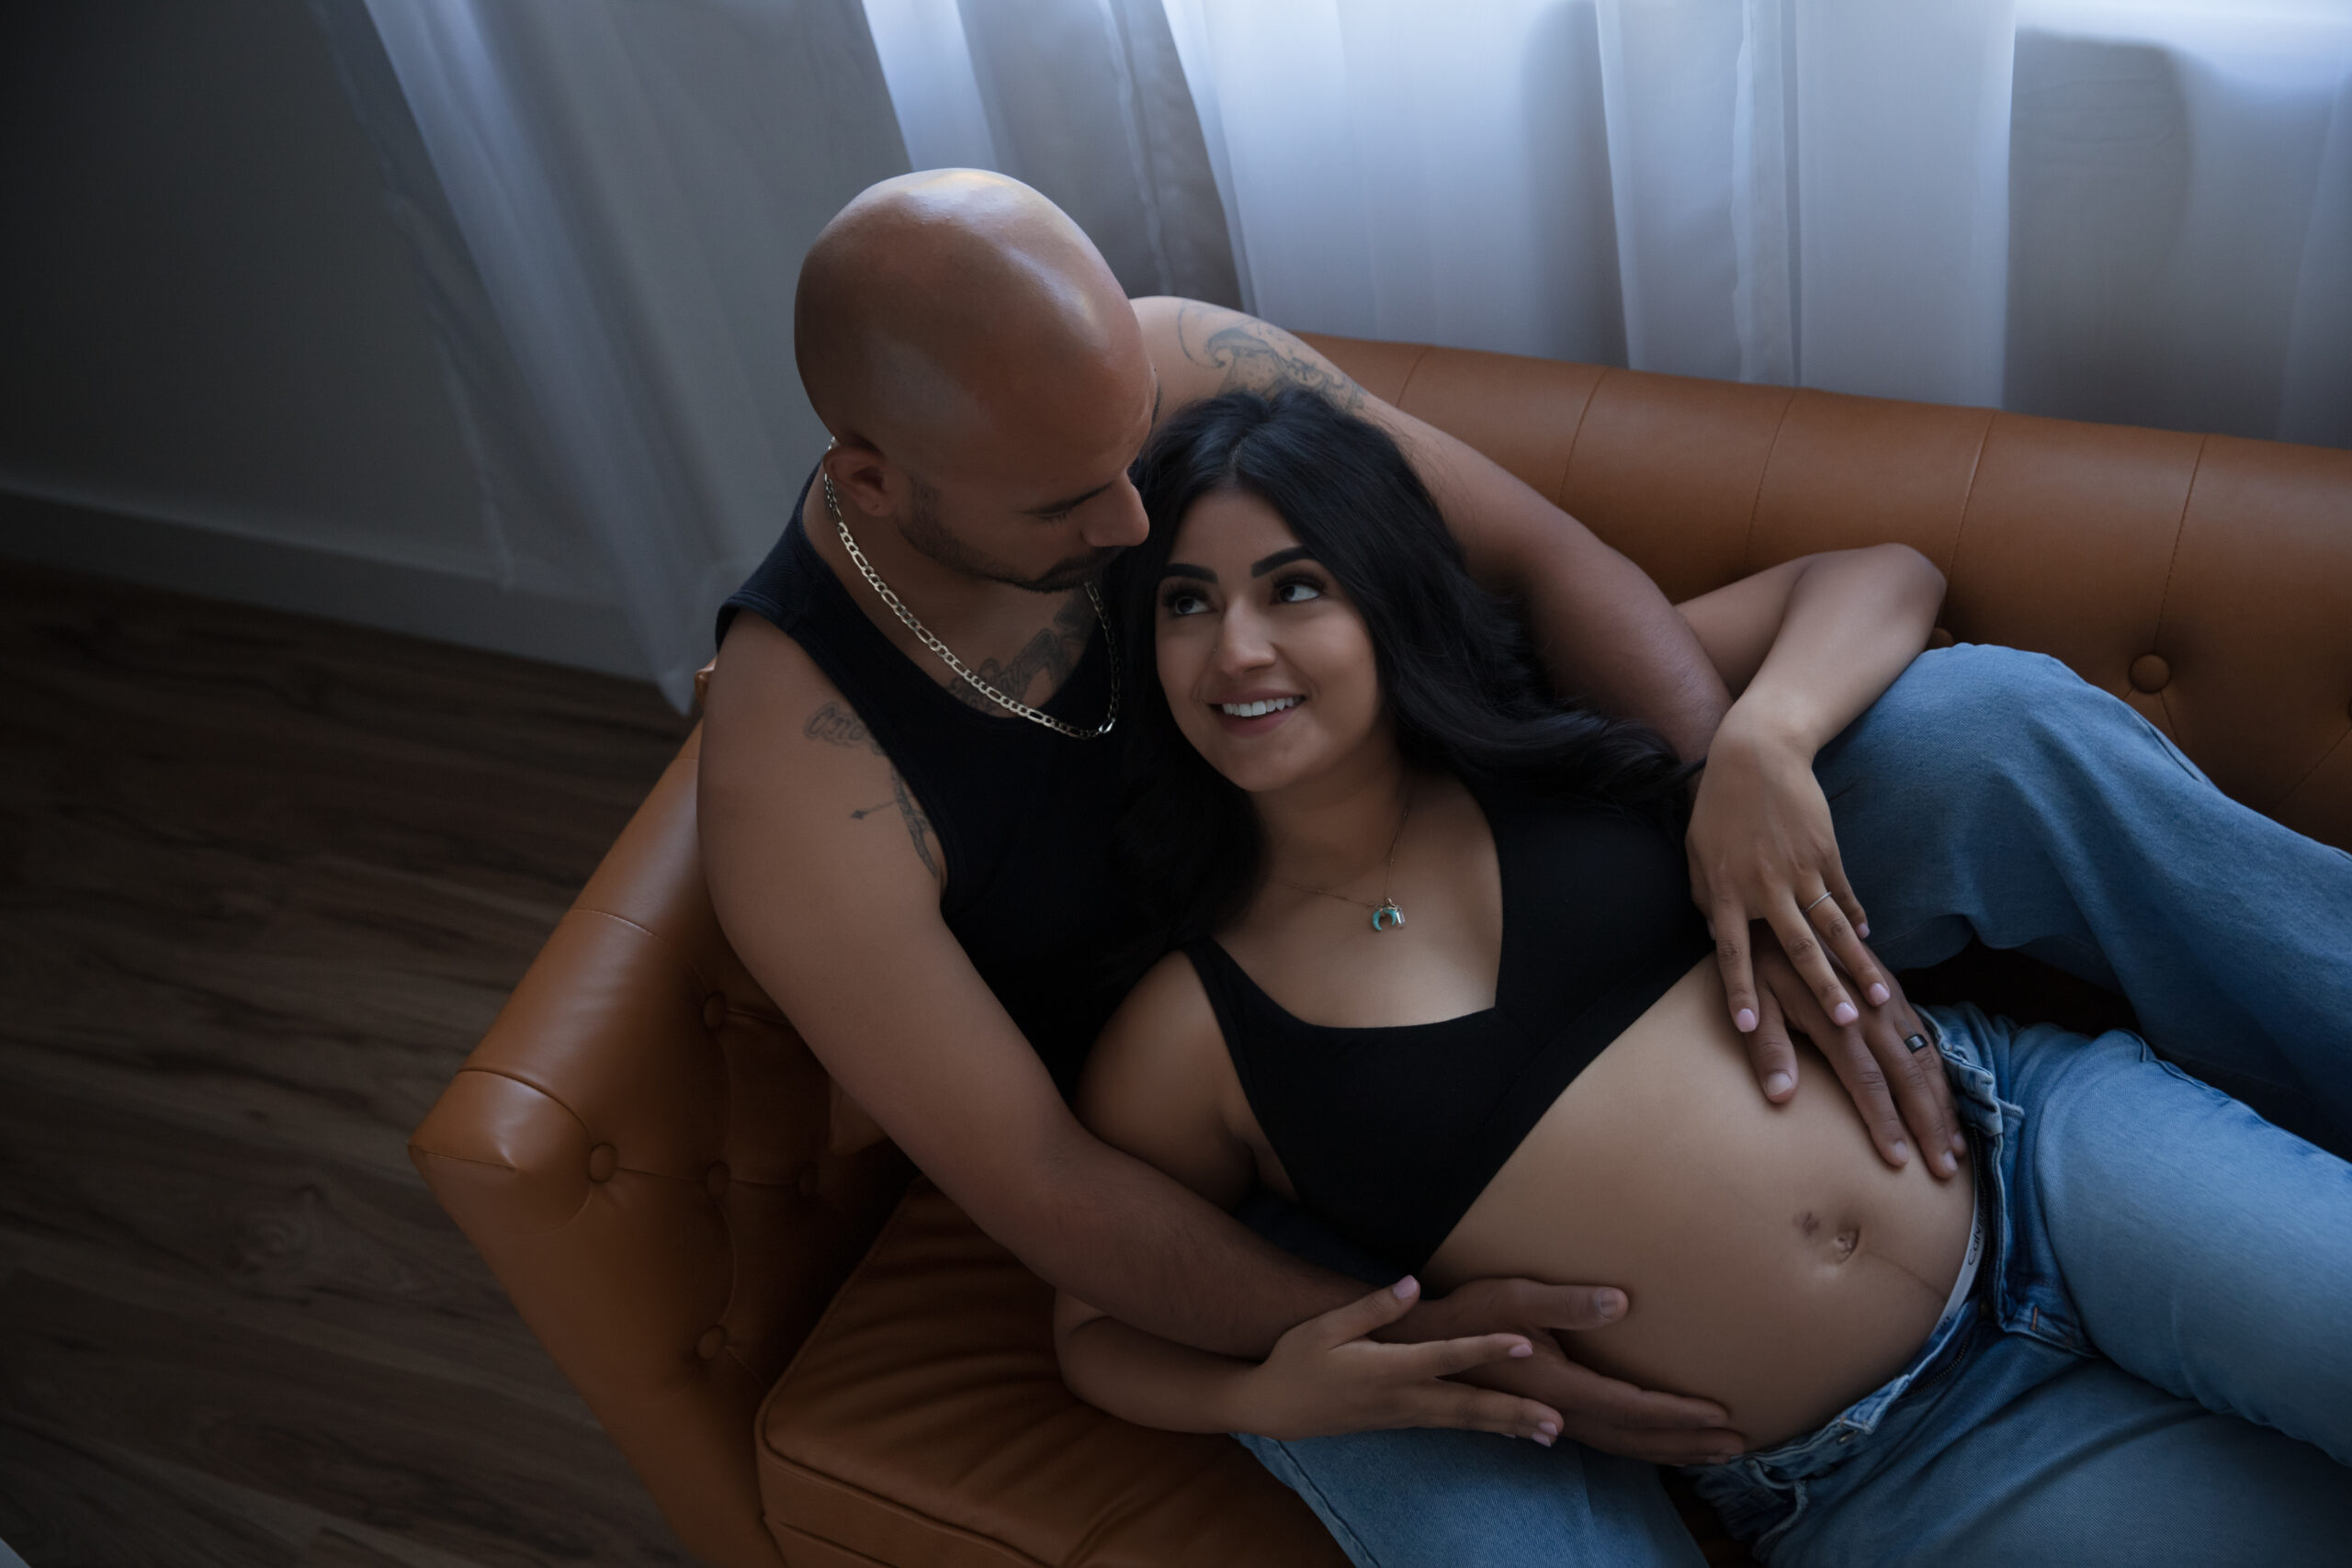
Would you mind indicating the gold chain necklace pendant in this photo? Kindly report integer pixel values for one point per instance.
(947, 655)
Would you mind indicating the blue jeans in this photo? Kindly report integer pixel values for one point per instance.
(1989, 793)
(2158, 1367)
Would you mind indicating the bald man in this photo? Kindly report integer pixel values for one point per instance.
(909, 779)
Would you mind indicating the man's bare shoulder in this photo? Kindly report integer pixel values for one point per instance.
(1203, 350)
(785, 754)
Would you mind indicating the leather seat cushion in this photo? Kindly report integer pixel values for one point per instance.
(924, 1424)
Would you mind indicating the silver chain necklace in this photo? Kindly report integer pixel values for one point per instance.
(947, 655)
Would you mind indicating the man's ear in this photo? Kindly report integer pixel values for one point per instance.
(866, 479)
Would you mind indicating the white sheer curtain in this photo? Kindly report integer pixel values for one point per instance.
(634, 187)
(2132, 210)
(1084, 99)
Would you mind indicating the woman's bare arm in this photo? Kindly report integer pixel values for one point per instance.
(1807, 645)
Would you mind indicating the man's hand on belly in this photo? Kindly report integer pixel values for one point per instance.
(1599, 1412)
(1891, 1084)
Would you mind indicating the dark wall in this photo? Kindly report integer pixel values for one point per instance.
(206, 314)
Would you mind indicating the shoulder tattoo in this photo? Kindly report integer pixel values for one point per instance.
(837, 726)
(1256, 358)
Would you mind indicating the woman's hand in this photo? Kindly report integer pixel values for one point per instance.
(1805, 647)
(1761, 848)
(1893, 1085)
(1329, 1375)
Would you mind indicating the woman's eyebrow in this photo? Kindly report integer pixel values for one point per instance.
(1182, 569)
(1280, 558)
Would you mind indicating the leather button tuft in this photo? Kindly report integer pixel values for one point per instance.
(714, 1010)
(603, 1160)
(807, 1182)
(713, 1340)
(714, 1181)
(2150, 673)
(1940, 638)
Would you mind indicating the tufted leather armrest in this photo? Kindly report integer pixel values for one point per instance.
(659, 1174)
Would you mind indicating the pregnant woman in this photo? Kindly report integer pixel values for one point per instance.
(1432, 973)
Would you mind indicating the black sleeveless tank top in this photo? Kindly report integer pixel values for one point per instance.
(1390, 1134)
(1024, 814)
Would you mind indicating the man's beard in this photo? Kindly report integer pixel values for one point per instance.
(930, 537)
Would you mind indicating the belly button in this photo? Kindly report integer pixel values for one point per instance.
(1846, 1243)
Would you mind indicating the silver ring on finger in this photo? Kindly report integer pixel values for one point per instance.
(1914, 1043)
(1809, 909)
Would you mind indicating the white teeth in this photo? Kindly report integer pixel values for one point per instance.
(1257, 709)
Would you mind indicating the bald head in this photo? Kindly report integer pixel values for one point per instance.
(942, 311)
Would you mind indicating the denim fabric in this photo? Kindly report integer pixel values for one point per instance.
(1988, 792)
(2160, 1366)
(1992, 793)
(1440, 1499)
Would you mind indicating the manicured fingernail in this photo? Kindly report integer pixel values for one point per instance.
(1947, 1162)
(1744, 1019)
(1521, 1351)
(1863, 930)
(1549, 1428)
(1609, 1303)
(1844, 1013)
(1960, 1144)
(1878, 995)
(1779, 1084)
(1407, 1287)
(1902, 1151)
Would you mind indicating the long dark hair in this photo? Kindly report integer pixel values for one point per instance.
(1453, 659)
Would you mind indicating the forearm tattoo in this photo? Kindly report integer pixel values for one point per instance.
(1257, 357)
(837, 726)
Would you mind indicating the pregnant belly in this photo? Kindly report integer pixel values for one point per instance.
(1772, 1261)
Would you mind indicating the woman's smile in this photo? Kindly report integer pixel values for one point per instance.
(1255, 714)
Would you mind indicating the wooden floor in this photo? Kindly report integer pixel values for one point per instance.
(262, 881)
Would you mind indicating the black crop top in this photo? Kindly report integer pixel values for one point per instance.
(1391, 1133)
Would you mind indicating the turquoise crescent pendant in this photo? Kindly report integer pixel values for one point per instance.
(1387, 918)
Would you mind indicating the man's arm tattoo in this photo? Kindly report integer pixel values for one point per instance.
(1054, 652)
(1257, 357)
(837, 726)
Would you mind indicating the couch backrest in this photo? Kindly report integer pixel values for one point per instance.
(2205, 580)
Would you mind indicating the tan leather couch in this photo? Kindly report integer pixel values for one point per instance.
(811, 1363)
